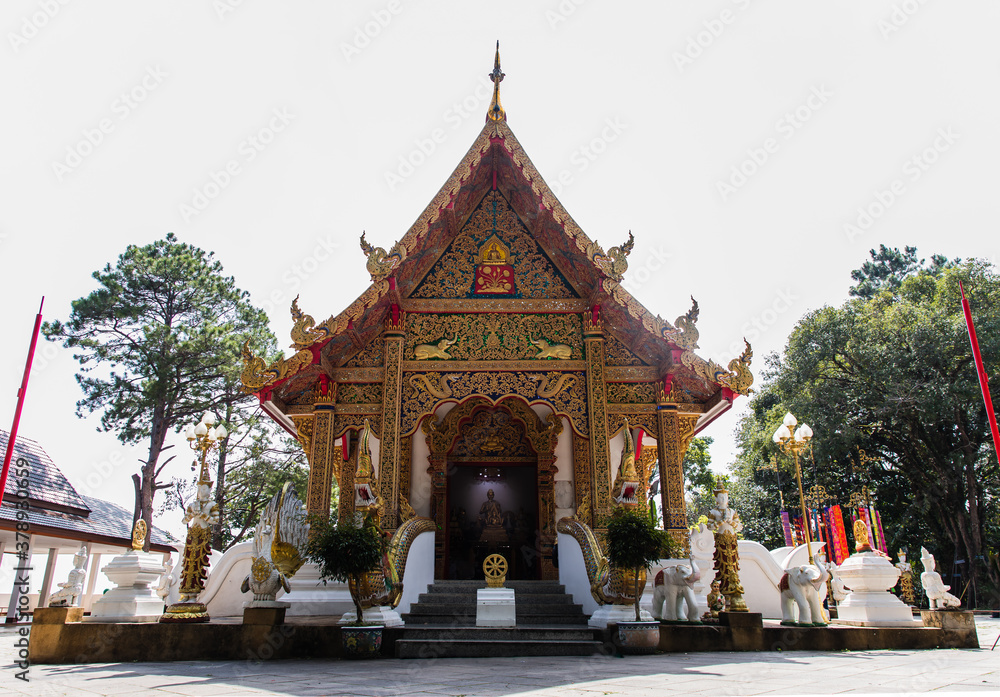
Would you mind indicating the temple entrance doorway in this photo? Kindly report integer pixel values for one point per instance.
(493, 509)
(492, 498)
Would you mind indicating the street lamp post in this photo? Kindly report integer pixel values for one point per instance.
(201, 514)
(794, 443)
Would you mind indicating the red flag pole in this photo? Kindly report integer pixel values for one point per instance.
(12, 438)
(984, 381)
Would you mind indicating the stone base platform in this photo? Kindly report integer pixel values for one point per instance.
(54, 640)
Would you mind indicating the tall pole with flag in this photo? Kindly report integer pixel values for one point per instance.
(984, 381)
(12, 438)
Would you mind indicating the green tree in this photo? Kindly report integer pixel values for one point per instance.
(258, 460)
(158, 342)
(890, 374)
(698, 477)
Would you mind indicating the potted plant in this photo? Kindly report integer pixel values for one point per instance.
(346, 553)
(634, 543)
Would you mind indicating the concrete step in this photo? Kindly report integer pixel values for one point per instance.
(529, 586)
(469, 619)
(519, 598)
(481, 648)
(534, 633)
(526, 609)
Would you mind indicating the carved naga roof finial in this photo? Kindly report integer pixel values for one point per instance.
(496, 112)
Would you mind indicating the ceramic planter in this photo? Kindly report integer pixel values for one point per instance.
(361, 642)
(637, 637)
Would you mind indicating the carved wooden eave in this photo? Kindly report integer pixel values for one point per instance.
(497, 161)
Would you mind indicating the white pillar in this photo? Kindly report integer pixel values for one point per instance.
(50, 569)
(23, 563)
(95, 568)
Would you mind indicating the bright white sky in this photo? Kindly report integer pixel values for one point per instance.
(644, 108)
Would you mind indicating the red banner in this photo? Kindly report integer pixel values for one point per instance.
(786, 527)
(838, 549)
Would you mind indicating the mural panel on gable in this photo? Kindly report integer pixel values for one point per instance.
(494, 256)
(493, 336)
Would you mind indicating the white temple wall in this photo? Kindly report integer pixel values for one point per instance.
(420, 478)
(376, 449)
(615, 447)
(565, 497)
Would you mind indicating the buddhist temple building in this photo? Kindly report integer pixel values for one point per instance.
(492, 373)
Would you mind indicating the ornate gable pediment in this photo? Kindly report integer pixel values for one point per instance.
(494, 256)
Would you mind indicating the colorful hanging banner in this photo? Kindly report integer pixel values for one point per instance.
(881, 534)
(839, 548)
(786, 527)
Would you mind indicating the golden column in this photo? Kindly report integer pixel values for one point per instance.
(794, 444)
(597, 413)
(392, 390)
(676, 431)
(315, 433)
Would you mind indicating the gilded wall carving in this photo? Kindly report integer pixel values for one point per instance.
(304, 432)
(359, 393)
(597, 401)
(489, 434)
(617, 354)
(405, 467)
(370, 356)
(321, 464)
(583, 480)
(676, 429)
(420, 395)
(632, 392)
(648, 421)
(493, 336)
(453, 276)
(355, 422)
(389, 443)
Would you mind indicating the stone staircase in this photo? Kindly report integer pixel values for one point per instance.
(442, 624)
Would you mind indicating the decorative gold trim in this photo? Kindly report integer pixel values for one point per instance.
(631, 373)
(492, 366)
(373, 409)
(348, 375)
(631, 409)
(507, 305)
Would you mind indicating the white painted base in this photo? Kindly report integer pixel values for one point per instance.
(875, 609)
(495, 607)
(869, 576)
(608, 614)
(132, 600)
(310, 597)
(385, 616)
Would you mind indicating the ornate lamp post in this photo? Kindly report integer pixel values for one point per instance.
(793, 444)
(200, 515)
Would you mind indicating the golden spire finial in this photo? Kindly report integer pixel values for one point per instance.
(496, 112)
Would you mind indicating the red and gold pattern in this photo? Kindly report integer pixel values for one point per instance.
(496, 279)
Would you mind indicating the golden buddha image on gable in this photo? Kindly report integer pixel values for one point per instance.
(494, 274)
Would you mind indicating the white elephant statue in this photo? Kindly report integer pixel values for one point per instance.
(800, 587)
(673, 588)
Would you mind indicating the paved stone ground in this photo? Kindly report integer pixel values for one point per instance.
(715, 674)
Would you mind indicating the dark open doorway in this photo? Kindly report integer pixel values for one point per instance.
(480, 524)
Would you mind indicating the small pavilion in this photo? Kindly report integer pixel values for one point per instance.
(60, 521)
